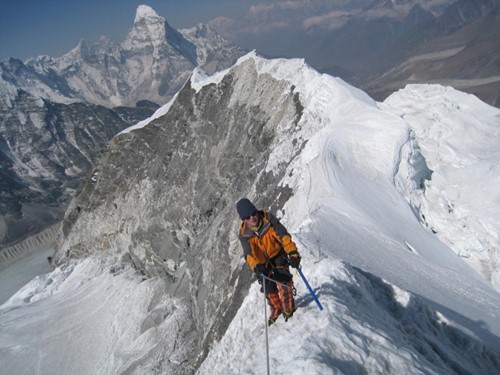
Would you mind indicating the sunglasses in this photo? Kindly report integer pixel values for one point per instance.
(249, 216)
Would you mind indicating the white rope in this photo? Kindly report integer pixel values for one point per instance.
(265, 324)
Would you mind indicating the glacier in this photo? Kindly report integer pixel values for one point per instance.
(150, 277)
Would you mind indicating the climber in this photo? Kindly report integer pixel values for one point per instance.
(269, 250)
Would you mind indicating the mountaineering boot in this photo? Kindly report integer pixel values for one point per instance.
(272, 319)
(289, 313)
(275, 314)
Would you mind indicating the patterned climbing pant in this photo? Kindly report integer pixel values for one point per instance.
(280, 293)
(281, 300)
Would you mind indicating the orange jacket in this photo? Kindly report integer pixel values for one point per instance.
(271, 238)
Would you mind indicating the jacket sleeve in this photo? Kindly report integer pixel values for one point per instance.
(247, 252)
(284, 237)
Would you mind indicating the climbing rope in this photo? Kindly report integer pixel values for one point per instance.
(265, 324)
(294, 291)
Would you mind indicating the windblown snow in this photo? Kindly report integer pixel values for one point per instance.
(396, 211)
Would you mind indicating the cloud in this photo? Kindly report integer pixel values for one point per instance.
(331, 21)
(262, 18)
(310, 15)
(222, 23)
(229, 26)
(306, 14)
(264, 9)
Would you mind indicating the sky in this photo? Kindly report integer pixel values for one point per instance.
(396, 299)
(29, 28)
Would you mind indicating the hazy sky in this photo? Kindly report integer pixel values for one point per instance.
(30, 28)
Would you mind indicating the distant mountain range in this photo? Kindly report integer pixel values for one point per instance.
(381, 45)
(56, 114)
(152, 63)
(461, 48)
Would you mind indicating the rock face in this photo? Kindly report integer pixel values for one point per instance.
(45, 150)
(58, 113)
(164, 195)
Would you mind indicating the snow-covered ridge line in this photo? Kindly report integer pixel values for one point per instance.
(159, 112)
(198, 79)
(291, 70)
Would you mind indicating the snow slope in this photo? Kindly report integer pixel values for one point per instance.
(459, 137)
(397, 299)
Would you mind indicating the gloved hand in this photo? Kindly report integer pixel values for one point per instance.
(260, 269)
(294, 259)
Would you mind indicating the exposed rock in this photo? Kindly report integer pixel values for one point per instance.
(164, 194)
(45, 150)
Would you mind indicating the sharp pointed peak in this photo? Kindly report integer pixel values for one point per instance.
(144, 12)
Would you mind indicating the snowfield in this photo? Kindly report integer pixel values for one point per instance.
(396, 212)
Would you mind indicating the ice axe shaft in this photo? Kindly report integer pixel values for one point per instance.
(311, 291)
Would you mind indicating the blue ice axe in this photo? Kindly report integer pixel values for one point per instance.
(311, 291)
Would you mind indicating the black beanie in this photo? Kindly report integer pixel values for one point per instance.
(245, 208)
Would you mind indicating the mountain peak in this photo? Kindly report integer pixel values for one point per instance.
(145, 12)
(148, 30)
